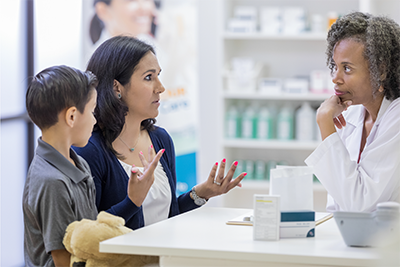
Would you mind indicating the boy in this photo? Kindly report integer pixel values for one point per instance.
(59, 188)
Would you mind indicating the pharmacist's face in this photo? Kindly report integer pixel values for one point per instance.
(142, 94)
(350, 73)
(128, 17)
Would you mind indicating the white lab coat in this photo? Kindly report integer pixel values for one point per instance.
(361, 186)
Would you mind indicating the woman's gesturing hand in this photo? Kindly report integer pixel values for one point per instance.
(218, 184)
(139, 183)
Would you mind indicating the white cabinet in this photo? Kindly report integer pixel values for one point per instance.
(282, 56)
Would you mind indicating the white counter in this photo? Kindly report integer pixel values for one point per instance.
(202, 238)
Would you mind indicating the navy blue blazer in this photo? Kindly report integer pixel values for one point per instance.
(111, 179)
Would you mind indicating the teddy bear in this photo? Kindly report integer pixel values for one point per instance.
(82, 239)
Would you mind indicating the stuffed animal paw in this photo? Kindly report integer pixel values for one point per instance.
(82, 240)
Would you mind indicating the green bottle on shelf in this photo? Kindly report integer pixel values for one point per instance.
(260, 170)
(232, 122)
(249, 123)
(249, 168)
(285, 123)
(265, 124)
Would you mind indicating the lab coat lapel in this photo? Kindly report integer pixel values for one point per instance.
(354, 131)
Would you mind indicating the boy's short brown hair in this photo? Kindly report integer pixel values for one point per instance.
(55, 89)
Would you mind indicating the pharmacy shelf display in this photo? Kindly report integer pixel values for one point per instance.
(268, 63)
(283, 59)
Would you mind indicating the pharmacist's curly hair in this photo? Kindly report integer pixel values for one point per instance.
(381, 39)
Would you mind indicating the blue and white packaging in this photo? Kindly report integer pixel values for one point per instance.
(297, 224)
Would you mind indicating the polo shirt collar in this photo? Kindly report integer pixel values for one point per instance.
(51, 155)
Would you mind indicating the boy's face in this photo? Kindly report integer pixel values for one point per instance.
(85, 121)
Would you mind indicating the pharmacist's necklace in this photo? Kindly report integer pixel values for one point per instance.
(131, 149)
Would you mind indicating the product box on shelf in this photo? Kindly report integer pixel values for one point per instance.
(244, 20)
(242, 75)
(321, 82)
(296, 86)
(270, 20)
(270, 86)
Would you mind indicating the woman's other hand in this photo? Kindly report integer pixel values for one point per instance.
(139, 183)
(329, 115)
(218, 184)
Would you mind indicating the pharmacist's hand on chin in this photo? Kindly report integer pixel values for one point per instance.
(331, 109)
(218, 184)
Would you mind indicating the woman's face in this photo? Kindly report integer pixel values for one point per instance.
(128, 17)
(351, 73)
(142, 93)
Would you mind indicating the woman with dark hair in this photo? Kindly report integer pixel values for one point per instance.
(358, 161)
(128, 99)
(115, 17)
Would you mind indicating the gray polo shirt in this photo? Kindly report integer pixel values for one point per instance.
(56, 193)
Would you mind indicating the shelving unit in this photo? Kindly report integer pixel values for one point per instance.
(290, 145)
(282, 97)
(283, 56)
(263, 36)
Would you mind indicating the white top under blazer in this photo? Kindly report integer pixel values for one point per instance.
(158, 200)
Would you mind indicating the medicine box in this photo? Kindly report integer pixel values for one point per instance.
(297, 224)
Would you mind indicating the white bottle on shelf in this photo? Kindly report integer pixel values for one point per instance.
(305, 121)
(249, 122)
(285, 123)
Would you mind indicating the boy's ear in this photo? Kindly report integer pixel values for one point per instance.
(70, 116)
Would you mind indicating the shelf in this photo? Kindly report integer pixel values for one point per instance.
(307, 36)
(257, 184)
(283, 96)
(270, 144)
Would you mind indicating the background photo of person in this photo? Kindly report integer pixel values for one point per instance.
(115, 17)
(170, 26)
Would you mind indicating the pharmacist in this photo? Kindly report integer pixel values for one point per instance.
(358, 161)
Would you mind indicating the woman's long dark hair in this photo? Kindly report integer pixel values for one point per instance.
(115, 59)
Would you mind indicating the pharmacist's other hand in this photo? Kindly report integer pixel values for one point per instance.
(217, 184)
(331, 110)
(139, 183)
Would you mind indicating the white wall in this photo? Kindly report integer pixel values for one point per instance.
(58, 33)
(12, 144)
(58, 41)
(210, 56)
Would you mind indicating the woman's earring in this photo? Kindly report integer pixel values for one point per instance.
(119, 95)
